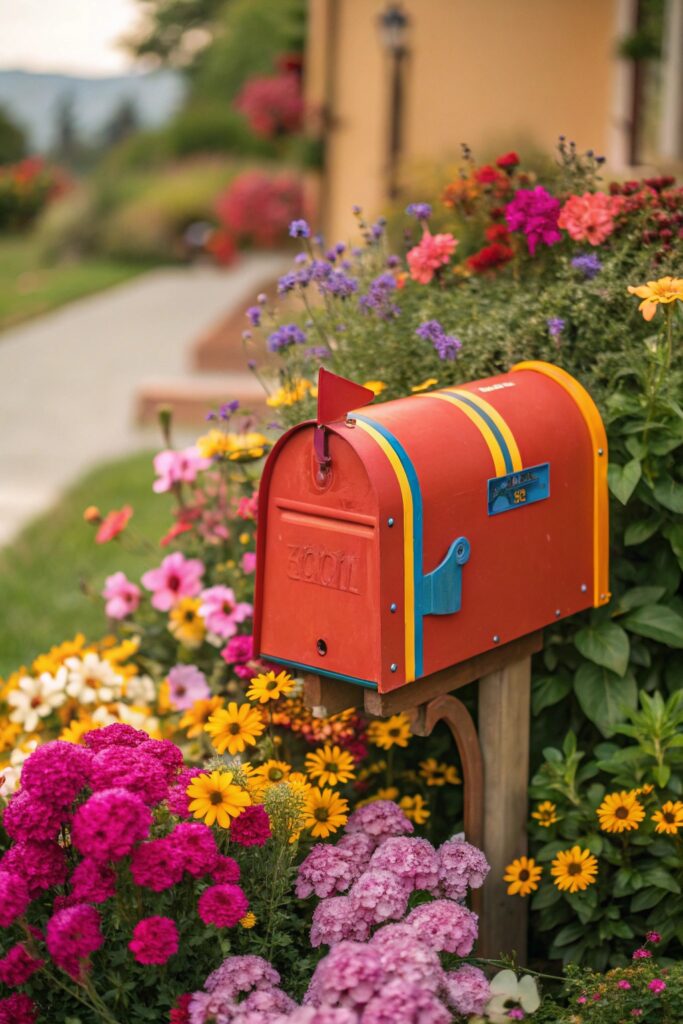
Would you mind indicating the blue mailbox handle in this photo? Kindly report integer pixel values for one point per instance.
(442, 588)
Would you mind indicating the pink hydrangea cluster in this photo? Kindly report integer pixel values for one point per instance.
(430, 254)
(590, 217)
(243, 990)
(402, 956)
(326, 870)
(251, 827)
(17, 966)
(109, 824)
(404, 1001)
(461, 867)
(336, 919)
(444, 926)
(535, 213)
(222, 905)
(411, 859)
(72, 935)
(380, 820)
(467, 989)
(155, 940)
(379, 896)
(18, 1009)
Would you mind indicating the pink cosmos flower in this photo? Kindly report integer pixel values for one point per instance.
(590, 217)
(187, 684)
(248, 562)
(174, 467)
(221, 612)
(641, 954)
(176, 577)
(432, 252)
(122, 596)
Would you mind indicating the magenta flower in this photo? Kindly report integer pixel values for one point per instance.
(57, 772)
(226, 871)
(14, 898)
(186, 684)
(17, 966)
(222, 612)
(653, 937)
(110, 823)
(131, 768)
(625, 985)
(72, 935)
(155, 939)
(251, 827)
(222, 905)
(122, 596)
(41, 864)
(535, 213)
(18, 1009)
(25, 817)
(197, 846)
(176, 577)
(92, 882)
(641, 954)
(157, 865)
(174, 467)
(248, 562)
(657, 986)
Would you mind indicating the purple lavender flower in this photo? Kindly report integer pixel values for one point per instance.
(588, 263)
(299, 229)
(339, 284)
(379, 297)
(320, 270)
(254, 316)
(555, 326)
(340, 248)
(284, 336)
(377, 230)
(535, 212)
(228, 408)
(421, 211)
(447, 345)
(287, 283)
(331, 255)
(301, 258)
(393, 261)
(318, 352)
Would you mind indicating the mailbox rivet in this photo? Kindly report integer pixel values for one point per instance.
(390, 521)
(584, 588)
(393, 606)
(393, 666)
(557, 613)
(600, 451)
(496, 639)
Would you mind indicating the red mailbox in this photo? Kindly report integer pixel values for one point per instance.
(398, 540)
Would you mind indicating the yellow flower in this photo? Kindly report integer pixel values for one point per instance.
(429, 383)
(196, 717)
(414, 808)
(249, 919)
(390, 793)
(244, 538)
(271, 772)
(545, 814)
(185, 622)
(235, 447)
(395, 731)
(299, 783)
(234, 728)
(76, 730)
(574, 869)
(325, 812)
(268, 686)
(620, 812)
(644, 790)
(670, 818)
(330, 765)
(438, 774)
(215, 798)
(376, 386)
(523, 875)
(295, 392)
(8, 734)
(58, 654)
(657, 293)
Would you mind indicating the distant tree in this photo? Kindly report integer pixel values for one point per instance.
(12, 139)
(66, 147)
(173, 30)
(122, 123)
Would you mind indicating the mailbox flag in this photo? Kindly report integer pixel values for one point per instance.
(337, 396)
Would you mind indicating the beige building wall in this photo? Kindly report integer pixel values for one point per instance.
(497, 74)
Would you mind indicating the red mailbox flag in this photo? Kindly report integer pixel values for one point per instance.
(337, 396)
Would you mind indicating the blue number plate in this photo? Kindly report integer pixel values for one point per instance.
(515, 490)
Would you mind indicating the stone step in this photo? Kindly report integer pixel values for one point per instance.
(193, 396)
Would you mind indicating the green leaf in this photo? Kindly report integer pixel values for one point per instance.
(546, 897)
(657, 622)
(606, 644)
(669, 493)
(640, 531)
(623, 480)
(661, 774)
(570, 933)
(636, 597)
(603, 696)
(646, 899)
(661, 879)
(674, 535)
(548, 691)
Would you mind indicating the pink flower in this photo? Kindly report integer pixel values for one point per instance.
(379, 820)
(239, 974)
(176, 577)
(468, 989)
(56, 772)
(221, 612)
(653, 937)
(249, 562)
(444, 926)
(379, 896)
(413, 860)
(350, 975)
(110, 824)
(186, 684)
(226, 871)
(116, 735)
(461, 866)
(641, 954)
(590, 217)
(657, 986)
(625, 985)
(247, 508)
(72, 935)
(155, 939)
(535, 213)
(327, 870)
(431, 253)
(40, 864)
(14, 898)
(516, 1013)
(251, 827)
(18, 1009)
(92, 882)
(157, 865)
(17, 966)
(336, 919)
(25, 817)
(222, 905)
(401, 955)
(197, 845)
(131, 768)
(403, 1002)
(174, 467)
(122, 596)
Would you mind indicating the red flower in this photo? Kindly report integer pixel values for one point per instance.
(490, 257)
(180, 1014)
(258, 207)
(113, 524)
(175, 531)
(222, 247)
(497, 233)
(510, 159)
(273, 105)
(488, 175)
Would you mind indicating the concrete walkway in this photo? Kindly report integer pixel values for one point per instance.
(68, 380)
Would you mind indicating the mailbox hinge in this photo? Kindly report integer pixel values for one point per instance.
(442, 588)
(321, 448)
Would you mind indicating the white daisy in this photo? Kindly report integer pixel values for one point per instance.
(24, 750)
(92, 680)
(140, 690)
(34, 699)
(9, 781)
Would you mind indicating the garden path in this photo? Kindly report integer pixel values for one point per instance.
(68, 380)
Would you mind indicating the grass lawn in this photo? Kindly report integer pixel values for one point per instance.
(28, 288)
(41, 600)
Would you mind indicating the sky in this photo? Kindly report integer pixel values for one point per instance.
(73, 36)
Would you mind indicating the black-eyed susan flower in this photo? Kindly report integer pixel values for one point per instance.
(330, 765)
(670, 818)
(271, 772)
(325, 812)
(395, 731)
(268, 686)
(574, 870)
(436, 773)
(545, 814)
(415, 808)
(215, 798)
(620, 812)
(185, 622)
(234, 728)
(523, 875)
(196, 717)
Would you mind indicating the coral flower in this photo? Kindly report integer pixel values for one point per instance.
(394, 732)
(431, 253)
(545, 814)
(574, 869)
(620, 812)
(657, 293)
(523, 875)
(330, 765)
(268, 686)
(215, 798)
(222, 612)
(234, 728)
(670, 818)
(176, 577)
(113, 524)
(122, 596)
(325, 812)
(590, 217)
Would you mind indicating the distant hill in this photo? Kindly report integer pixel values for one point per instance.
(32, 99)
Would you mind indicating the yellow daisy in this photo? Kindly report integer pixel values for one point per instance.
(389, 793)
(185, 622)
(271, 772)
(196, 717)
(249, 919)
(414, 808)
(268, 686)
(234, 728)
(574, 869)
(439, 774)
(395, 731)
(330, 765)
(620, 812)
(545, 814)
(670, 818)
(657, 293)
(295, 392)
(215, 798)
(76, 730)
(325, 812)
(523, 875)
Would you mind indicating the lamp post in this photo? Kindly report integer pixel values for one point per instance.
(393, 29)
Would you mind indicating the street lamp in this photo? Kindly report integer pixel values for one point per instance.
(393, 30)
